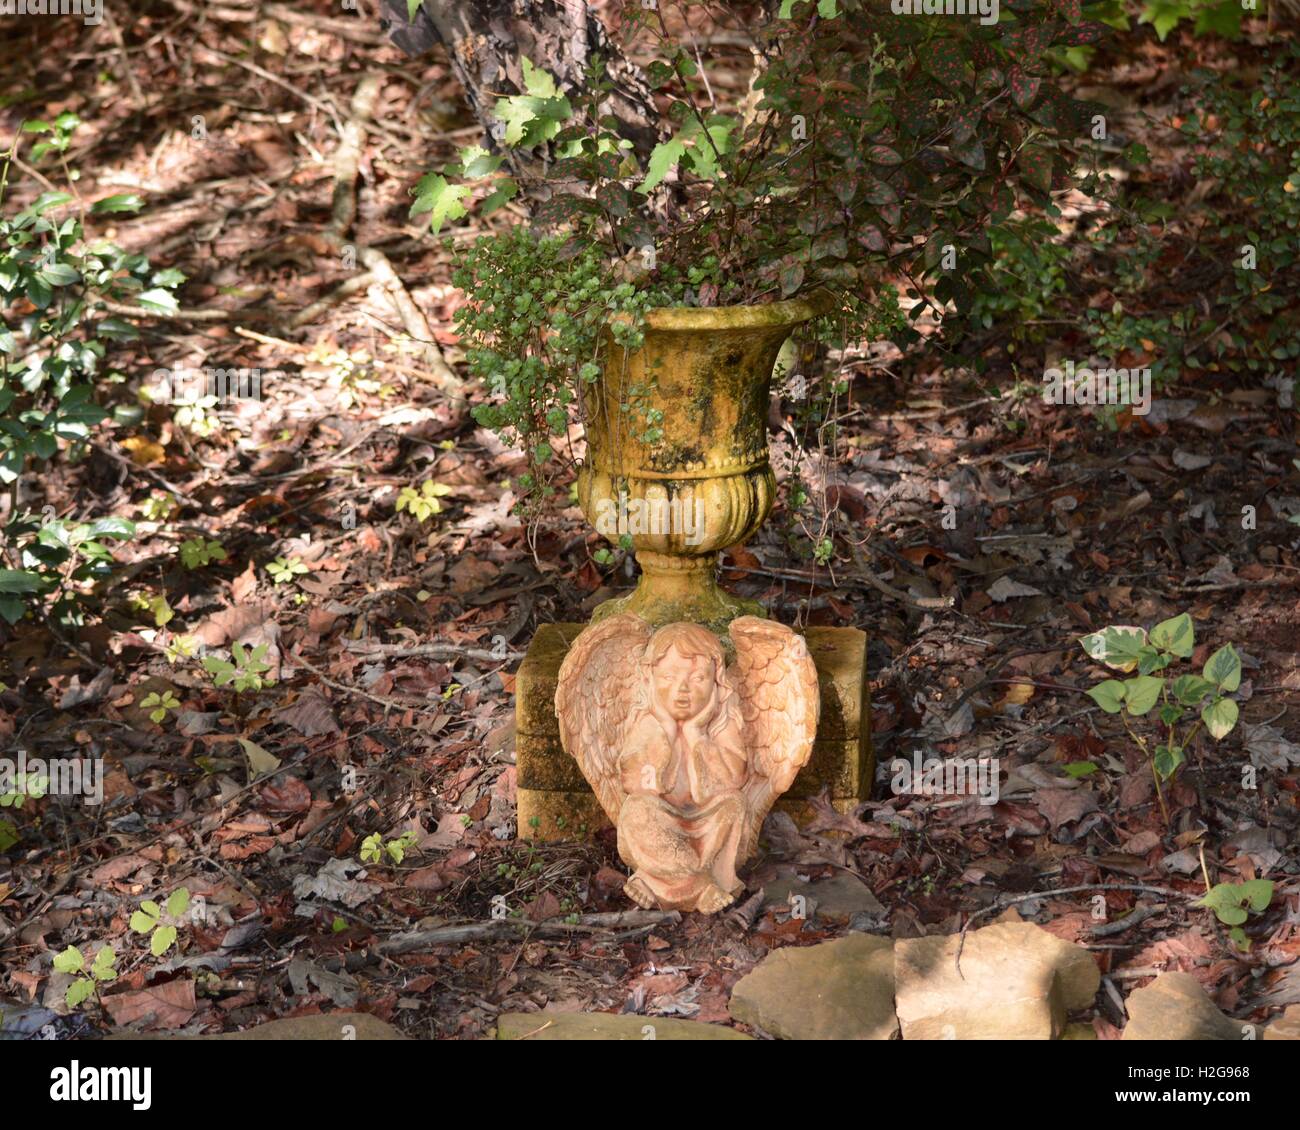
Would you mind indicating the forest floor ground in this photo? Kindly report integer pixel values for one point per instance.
(393, 649)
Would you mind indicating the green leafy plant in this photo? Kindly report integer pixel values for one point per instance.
(374, 848)
(876, 151)
(157, 507)
(284, 569)
(197, 552)
(26, 786)
(1232, 904)
(422, 504)
(246, 671)
(159, 705)
(149, 920)
(1126, 649)
(88, 977)
(54, 334)
(1208, 17)
(154, 606)
(1245, 139)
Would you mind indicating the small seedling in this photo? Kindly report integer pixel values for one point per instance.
(101, 969)
(161, 705)
(198, 552)
(1232, 903)
(149, 920)
(1126, 648)
(284, 569)
(373, 848)
(245, 672)
(422, 504)
(25, 785)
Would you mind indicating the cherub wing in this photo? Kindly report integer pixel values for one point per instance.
(593, 699)
(776, 680)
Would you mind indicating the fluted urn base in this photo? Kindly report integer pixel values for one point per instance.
(672, 589)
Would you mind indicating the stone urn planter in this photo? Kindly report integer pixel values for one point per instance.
(704, 482)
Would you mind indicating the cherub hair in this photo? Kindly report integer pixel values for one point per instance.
(691, 642)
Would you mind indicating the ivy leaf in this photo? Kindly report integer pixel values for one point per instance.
(1219, 717)
(476, 162)
(78, 991)
(504, 192)
(1117, 646)
(179, 902)
(441, 200)
(537, 115)
(1142, 693)
(1229, 900)
(1190, 689)
(162, 939)
(1109, 695)
(1223, 669)
(1220, 19)
(1167, 760)
(1176, 636)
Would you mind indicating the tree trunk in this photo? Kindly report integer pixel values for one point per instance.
(487, 39)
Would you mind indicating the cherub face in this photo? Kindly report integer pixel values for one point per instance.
(683, 687)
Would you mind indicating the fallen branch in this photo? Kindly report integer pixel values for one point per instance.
(431, 651)
(509, 927)
(924, 603)
(343, 212)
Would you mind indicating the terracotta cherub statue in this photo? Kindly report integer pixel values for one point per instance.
(687, 755)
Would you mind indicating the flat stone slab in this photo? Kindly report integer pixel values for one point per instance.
(332, 1026)
(838, 990)
(1016, 982)
(840, 897)
(1175, 1006)
(606, 1026)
